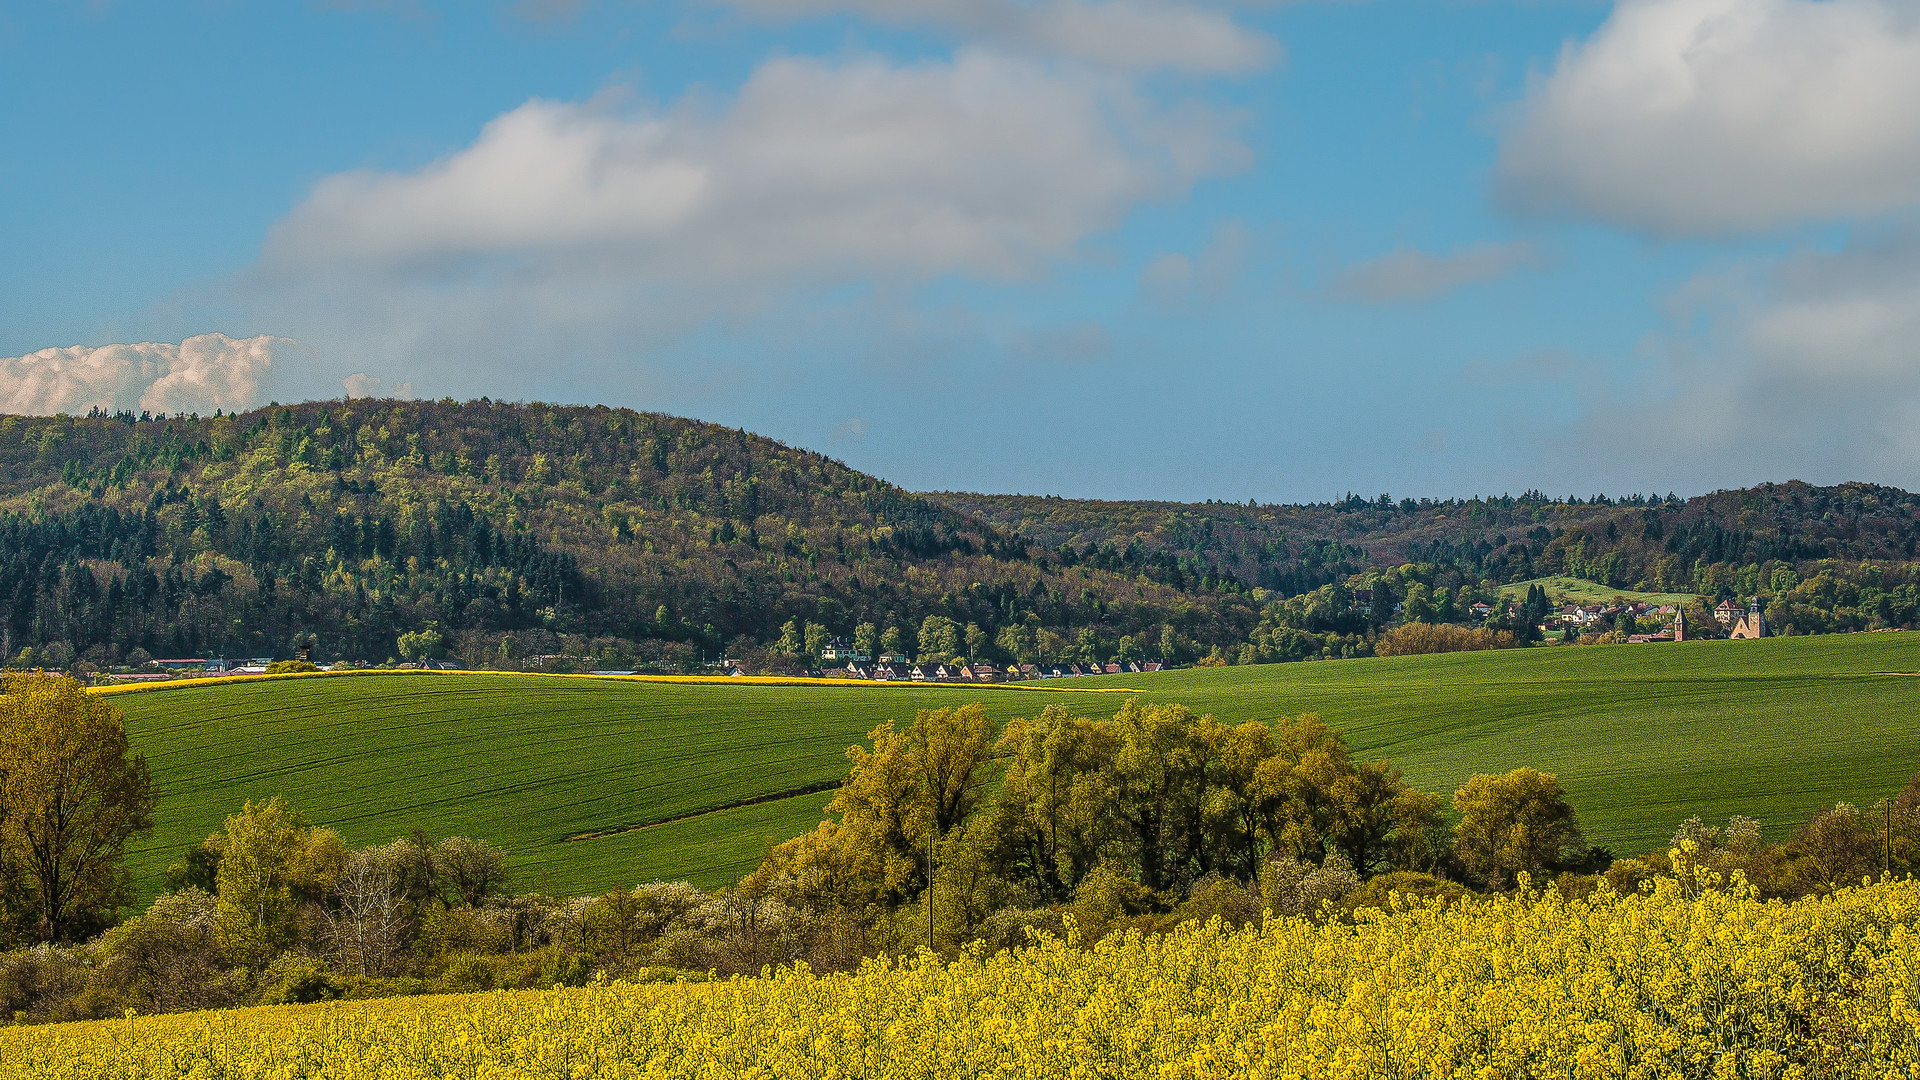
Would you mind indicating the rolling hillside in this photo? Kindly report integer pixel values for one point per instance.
(1651, 542)
(574, 538)
(1577, 591)
(1643, 735)
(518, 530)
(525, 761)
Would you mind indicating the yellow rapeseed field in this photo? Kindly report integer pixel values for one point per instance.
(1679, 981)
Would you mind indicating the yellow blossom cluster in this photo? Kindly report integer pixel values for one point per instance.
(1678, 980)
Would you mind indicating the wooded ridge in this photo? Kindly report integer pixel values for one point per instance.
(531, 534)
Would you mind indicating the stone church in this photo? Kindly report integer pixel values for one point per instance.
(1752, 624)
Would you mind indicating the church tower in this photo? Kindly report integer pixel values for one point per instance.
(1680, 623)
(1752, 624)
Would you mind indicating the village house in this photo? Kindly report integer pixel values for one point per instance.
(1581, 615)
(1677, 631)
(890, 670)
(1727, 612)
(841, 652)
(933, 672)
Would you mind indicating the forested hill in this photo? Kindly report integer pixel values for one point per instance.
(515, 532)
(513, 529)
(1660, 543)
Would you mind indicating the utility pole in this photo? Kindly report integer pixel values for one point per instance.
(933, 823)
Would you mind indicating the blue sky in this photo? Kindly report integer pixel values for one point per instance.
(1118, 248)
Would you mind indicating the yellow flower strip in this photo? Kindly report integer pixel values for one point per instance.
(1665, 984)
(727, 680)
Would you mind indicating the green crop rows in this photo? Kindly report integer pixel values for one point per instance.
(1644, 736)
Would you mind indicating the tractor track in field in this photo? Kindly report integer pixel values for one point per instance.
(756, 800)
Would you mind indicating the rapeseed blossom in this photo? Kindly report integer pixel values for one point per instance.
(1682, 979)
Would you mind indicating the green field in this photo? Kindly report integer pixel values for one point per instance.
(1644, 735)
(525, 761)
(1572, 590)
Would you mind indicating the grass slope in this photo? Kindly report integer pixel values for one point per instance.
(1643, 735)
(1573, 590)
(523, 761)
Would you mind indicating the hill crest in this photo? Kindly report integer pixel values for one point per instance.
(569, 532)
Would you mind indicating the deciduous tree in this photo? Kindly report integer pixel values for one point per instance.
(270, 859)
(71, 796)
(1520, 822)
(423, 644)
(472, 869)
(1051, 815)
(939, 638)
(1156, 774)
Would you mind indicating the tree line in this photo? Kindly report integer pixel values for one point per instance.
(972, 827)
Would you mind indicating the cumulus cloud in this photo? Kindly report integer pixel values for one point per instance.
(1806, 368)
(362, 385)
(1135, 35)
(1412, 274)
(200, 374)
(1709, 116)
(1832, 344)
(984, 165)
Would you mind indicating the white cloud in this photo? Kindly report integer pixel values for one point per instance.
(1167, 276)
(1210, 274)
(1709, 116)
(985, 165)
(362, 385)
(1834, 343)
(1134, 35)
(1412, 274)
(200, 374)
(1807, 368)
